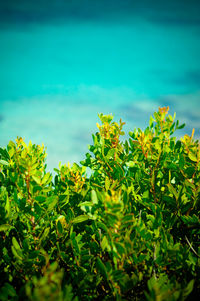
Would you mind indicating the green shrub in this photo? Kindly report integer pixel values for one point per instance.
(128, 231)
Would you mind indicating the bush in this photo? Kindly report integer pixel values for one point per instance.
(128, 231)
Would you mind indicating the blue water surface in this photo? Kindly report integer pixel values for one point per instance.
(63, 62)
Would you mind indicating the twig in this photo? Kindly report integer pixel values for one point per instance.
(154, 259)
(191, 247)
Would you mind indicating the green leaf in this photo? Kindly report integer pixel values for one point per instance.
(103, 226)
(44, 235)
(181, 161)
(51, 202)
(37, 179)
(80, 219)
(192, 156)
(120, 248)
(40, 198)
(15, 243)
(107, 183)
(5, 227)
(7, 291)
(4, 153)
(94, 197)
(88, 204)
(130, 164)
(181, 126)
(146, 195)
(16, 250)
(110, 153)
(36, 188)
(11, 151)
(46, 179)
(104, 244)
(75, 245)
(173, 191)
(8, 206)
(188, 288)
(191, 220)
(17, 253)
(3, 162)
(59, 227)
(101, 267)
(151, 121)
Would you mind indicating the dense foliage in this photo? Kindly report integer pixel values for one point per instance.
(126, 230)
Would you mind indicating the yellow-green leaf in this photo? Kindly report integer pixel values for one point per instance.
(80, 219)
(5, 227)
(192, 157)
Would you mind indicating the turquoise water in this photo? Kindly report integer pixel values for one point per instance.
(58, 73)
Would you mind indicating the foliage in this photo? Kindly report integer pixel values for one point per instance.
(128, 231)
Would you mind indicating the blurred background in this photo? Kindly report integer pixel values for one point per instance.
(64, 61)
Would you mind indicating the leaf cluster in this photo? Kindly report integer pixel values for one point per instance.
(122, 225)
